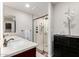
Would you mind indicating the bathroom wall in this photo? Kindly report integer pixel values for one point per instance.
(50, 29)
(23, 21)
(1, 30)
(60, 17)
(57, 16)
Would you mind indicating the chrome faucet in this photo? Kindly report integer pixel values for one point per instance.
(6, 42)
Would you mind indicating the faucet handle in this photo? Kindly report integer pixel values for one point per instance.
(12, 39)
(5, 40)
(5, 43)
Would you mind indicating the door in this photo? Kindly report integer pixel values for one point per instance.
(38, 33)
(41, 33)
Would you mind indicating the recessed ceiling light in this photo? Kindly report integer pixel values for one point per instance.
(27, 5)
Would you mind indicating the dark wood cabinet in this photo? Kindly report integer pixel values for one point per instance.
(66, 46)
(28, 53)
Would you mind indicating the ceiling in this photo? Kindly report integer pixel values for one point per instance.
(36, 8)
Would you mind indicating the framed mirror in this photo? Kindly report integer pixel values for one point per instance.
(9, 24)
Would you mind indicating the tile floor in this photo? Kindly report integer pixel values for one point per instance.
(38, 54)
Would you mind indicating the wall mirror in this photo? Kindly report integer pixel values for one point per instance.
(9, 24)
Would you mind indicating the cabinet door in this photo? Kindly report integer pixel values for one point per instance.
(28, 53)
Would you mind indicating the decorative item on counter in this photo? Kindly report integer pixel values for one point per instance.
(70, 17)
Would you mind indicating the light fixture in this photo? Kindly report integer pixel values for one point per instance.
(27, 5)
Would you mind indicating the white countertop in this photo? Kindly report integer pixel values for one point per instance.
(18, 45)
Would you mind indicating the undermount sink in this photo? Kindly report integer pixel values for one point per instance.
(17, 45)
(13, 46)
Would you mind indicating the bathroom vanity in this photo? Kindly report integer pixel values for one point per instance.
(66, 46)
(19, 47)
(28, 53)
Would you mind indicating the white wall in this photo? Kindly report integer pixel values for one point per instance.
(59, 17)
(50, 29)
(1, 28)
(23, 21)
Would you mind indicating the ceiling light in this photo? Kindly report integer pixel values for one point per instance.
(27, 5)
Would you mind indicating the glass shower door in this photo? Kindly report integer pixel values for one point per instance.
(38, 33)
(41, 33)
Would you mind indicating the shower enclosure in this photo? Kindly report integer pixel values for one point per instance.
(41, 33)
